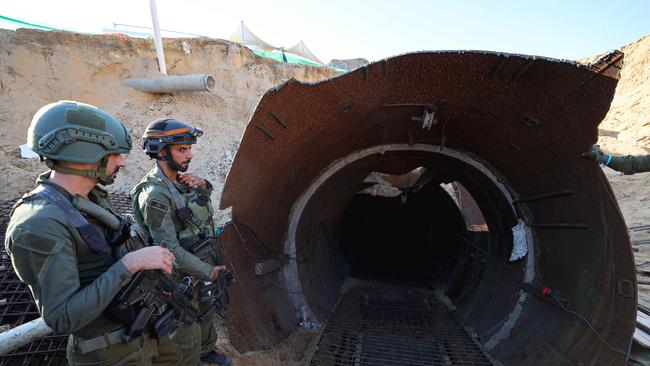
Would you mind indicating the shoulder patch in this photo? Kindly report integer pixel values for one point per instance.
(154, 203)
(155, 213)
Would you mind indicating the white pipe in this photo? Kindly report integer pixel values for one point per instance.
(157, 38)
(173, 83)
(23, 334)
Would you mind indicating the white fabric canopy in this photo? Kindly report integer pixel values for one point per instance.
(301, 50)
(243, 35)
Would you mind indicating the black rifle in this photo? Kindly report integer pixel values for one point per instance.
(208, 251)
(158, 301)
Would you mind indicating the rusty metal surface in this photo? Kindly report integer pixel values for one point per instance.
(526, 118)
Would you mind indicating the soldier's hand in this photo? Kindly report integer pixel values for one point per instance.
(215, 272)
(192, 180)
(153, 257)
(596, 154)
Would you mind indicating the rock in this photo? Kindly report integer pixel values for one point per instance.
(350, 64)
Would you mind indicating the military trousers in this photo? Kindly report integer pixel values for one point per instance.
(144, 351)
(196, 340)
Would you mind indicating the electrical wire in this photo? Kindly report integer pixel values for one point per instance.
(560, 304)
(563, 307)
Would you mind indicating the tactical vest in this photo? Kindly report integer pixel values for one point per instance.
(92, 261)
(188, 230)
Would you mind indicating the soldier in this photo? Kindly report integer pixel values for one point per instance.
(628, 164)
(63, 237)
(175, 210)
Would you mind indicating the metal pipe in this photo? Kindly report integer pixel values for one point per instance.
(173, 84)
(157, 38)
(23, 334)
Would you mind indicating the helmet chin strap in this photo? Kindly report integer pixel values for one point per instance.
(99, 173)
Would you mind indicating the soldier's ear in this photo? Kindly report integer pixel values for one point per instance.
(161, 153)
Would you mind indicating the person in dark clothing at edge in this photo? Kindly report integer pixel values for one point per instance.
(157, 200)
(64, 241)
(627, 164)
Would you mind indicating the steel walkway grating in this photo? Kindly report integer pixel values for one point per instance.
(19, 308)
(374, 325)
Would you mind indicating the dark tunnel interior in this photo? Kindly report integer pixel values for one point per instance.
(412, 238)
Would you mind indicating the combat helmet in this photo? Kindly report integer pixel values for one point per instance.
(168, 131)
(79, 133)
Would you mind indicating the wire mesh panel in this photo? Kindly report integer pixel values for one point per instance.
(121, 203)
(375, 325)
(17, 306)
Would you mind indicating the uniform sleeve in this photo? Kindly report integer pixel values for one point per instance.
(157, 214)
(208, 188)
(44, 256)
(630, 164)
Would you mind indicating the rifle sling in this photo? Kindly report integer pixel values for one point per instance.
(182, 211)
(95, 241)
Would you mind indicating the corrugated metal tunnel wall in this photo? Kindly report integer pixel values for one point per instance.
(509, 129)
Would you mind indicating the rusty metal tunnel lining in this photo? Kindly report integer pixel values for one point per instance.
(528, 118)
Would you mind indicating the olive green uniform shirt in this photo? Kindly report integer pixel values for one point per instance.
(630, 164)
(70, 283)
(154, 210)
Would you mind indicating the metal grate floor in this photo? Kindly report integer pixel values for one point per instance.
(19, 308)
(375, 325)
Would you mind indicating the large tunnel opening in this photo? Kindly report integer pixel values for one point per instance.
(420, 216)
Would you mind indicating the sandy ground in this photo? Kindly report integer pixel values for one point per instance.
(38, 67)
(626, 130)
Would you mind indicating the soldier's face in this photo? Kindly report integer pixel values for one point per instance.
(182, 155)
(114, 163)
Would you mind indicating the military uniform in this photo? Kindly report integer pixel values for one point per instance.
(630, 164)
(154, 210)
(71, 284)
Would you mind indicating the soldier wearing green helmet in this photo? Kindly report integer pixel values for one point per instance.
(69, 246)
(174, 208)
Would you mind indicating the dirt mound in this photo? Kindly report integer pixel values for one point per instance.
(38, 67)
(626, 130)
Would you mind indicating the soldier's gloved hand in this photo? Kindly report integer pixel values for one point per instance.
(152, 257)
(597, 155)
(215, 272)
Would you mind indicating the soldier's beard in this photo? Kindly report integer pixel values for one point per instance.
(182, 167)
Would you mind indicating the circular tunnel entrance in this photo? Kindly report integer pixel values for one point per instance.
(393, 214)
